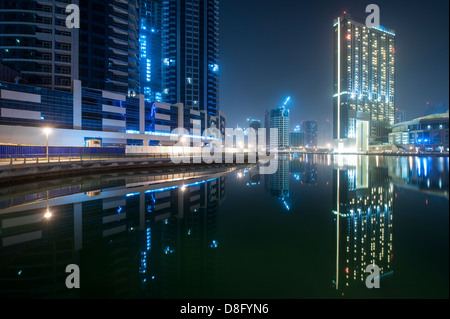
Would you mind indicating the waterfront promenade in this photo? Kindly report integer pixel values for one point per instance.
(15, 170)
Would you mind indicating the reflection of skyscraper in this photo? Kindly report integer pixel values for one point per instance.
(363, 212)
(255, 176)
(304, 169)
(131, 239)
(278, 184)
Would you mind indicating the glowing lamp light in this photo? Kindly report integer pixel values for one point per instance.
(349, 37)
(48, 215)
(47, 130)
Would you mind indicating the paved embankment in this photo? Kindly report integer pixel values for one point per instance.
(11, 174)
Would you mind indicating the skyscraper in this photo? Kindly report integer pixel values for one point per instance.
(109, 45)
(310, 130)
(400, 116)
(190, 42)
(35, 41)
(364, 84)
(150, 43)
(278, 118)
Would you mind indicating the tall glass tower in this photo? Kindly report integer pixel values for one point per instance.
(278, 118)
(364, 84)
(190, 41)
(150, 43)
(109, 45)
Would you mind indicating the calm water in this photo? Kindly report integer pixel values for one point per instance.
(308, 231)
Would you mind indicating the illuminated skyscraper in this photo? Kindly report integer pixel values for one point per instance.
(364, 84)
(190, 41)
(278, 118)
(150, 44)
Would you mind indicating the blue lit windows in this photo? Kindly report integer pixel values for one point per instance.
(214, 67)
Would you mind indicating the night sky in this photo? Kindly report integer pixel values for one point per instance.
(270, 49)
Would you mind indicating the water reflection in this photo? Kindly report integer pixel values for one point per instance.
(136, 240)
(363, 209)
(156, 235)
(364, 192)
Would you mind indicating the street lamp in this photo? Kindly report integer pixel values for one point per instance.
(47, 132)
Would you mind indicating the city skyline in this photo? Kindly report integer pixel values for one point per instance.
(261, 72)
(320, 171)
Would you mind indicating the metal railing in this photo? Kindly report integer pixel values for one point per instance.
(22, 159)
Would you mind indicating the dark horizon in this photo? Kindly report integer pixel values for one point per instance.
(268, 52)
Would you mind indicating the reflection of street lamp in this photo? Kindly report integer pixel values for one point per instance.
(47, 132)
(47, 214)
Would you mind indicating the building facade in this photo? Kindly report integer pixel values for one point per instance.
(109, 46)
(35, 41)
(117, 120)
(428, 133)
(190, 42)
(364, 84)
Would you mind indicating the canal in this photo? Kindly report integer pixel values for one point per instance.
(307, 231)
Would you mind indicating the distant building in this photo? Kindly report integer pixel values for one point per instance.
(310, 130)
(278, 118)
(255, 124)
(297, 139)
(326, 133)
(429, 133)
(400, 116)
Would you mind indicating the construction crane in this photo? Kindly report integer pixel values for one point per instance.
(288, 99)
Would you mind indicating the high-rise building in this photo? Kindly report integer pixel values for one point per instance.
(109, 45)
(190, 42)
(150, 43)
(400, 116)
(35, 41)
(364, 84)
(255, 124)
(297, 139)
(278, 118)
(310, 130)
(102, 53)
